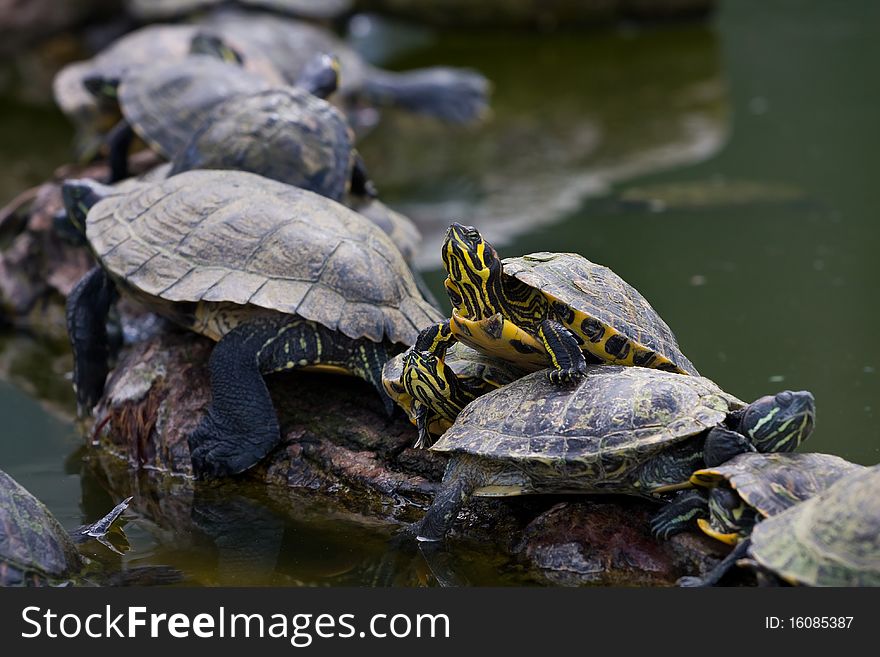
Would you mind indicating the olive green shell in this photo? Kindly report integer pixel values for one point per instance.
(34, 548)
(597, 291)
(600, 430)
(286, 134)
(230, 237)
(165, 104)
(771, 483)
(832, 539)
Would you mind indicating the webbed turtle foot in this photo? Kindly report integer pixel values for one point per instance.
(217, 452)
(691, 582)
(568, 376)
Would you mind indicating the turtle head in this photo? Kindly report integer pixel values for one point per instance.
(430, 381)
(206, 43)
(79, 196)
(780, 422)
(474, 270)
(729, 516)
(320, 76)
(103, 88)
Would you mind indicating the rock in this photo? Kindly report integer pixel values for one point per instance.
(341, 453)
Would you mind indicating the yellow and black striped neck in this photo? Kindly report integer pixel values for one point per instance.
(475, 271)
(433, 383)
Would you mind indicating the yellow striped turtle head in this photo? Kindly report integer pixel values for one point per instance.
(781, 422)
(474, 270)
(730, 518)
(430, 381)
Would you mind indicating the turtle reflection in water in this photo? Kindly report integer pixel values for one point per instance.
(35, 550)
(629, 430)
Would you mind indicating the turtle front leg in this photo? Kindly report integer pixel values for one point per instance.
(680, 515)
(722, 445)
(118, 143)
(461, 479)
(87, 308)
(240, 426)
(565, 352)
(422, 417)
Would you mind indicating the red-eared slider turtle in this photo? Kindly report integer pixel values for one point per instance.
(832, 539)
(628, 430)
(450, 94)
(281, 277)
(35, 550)
(732, 497)
(463, 375)
(284, 133)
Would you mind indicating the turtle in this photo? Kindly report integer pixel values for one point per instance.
(629, 430)
(35, 550)
(281, 277)
(151, 10)
(290, 134)
(450, 94)
(732, 497)
(831, 539)
(547, 309)
(466, 374)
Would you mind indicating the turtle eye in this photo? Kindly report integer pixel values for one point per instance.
(784, 398)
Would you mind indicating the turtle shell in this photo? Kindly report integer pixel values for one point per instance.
(592, 435)
(286, 134)
(771, 483)
(34, 548)
(165, 104)
(235, 238)
(832, 539)
(603, 309)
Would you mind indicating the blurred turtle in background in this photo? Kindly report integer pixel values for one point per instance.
(153, 10)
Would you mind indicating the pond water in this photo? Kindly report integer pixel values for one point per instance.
(724, 170)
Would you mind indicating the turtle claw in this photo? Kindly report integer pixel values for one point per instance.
(691, 582)
(568, 376)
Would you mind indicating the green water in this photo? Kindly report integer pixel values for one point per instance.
(725, 171)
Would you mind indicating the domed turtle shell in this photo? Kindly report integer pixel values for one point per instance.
(165, 104)
(286, 134)
(616, 320)
(832, 539)
(773, 482)
(231, 237)
(598, 432)
(34, 548)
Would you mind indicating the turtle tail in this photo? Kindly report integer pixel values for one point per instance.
(453, 95)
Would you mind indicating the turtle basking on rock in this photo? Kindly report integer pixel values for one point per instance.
(629, 430)
(731, 498)
(281, 277)
(831, 539)
(556, 310)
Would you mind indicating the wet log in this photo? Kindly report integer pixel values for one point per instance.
(342, 453)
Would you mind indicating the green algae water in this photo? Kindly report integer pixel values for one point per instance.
(723, 170)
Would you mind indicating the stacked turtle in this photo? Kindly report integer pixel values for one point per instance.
(263, 233)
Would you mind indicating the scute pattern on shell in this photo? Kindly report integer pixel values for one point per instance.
(832, 539)
(771, 483)
(598, 291)
(266, 132)
(166, 104)
(31, 539)
(615, 415)
(230, 236)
